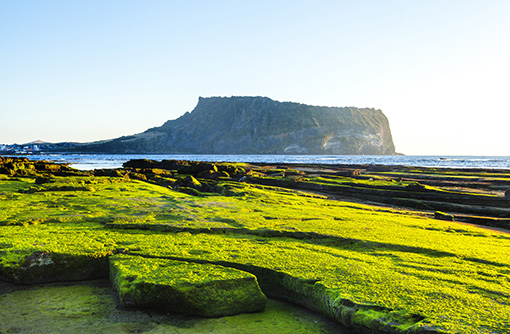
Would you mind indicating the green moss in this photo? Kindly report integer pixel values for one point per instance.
(359, 264)
(185, 288)
(92, 308)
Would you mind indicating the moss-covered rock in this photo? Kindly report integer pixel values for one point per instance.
(444, 216)
(91, 308)
(192, 182)
(373, 269)
(44, 267)
(184, 288)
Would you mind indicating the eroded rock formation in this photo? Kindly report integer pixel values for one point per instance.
(259, 125)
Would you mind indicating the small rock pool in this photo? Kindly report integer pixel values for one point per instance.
(92, 307)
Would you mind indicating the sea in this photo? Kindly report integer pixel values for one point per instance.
(100, 161)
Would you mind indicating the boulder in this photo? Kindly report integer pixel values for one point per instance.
(416, 187)
(185, 288)
(349, 172)
(444, 216)
(192, 182)
(43, 180)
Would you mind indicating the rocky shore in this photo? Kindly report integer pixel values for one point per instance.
(374, 248)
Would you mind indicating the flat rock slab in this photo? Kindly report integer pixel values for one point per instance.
(184, 288)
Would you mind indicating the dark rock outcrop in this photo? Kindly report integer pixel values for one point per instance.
(443, 216)
(259, 125)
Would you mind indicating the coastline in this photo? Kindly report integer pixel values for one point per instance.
(98, 161)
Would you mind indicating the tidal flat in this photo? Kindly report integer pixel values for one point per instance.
(372, 248)
(92, 307)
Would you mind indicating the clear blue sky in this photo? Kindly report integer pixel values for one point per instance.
(92, 70)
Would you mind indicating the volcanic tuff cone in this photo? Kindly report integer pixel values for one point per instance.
(259, 125)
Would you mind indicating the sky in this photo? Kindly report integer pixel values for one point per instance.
(91, 70)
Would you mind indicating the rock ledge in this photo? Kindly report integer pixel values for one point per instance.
(184, 288)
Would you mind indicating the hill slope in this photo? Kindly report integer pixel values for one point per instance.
(259, 125)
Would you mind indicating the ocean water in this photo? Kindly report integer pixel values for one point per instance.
(98, 161)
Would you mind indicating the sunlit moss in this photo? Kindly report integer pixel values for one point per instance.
(186, 288)
(92, 308)
(361, 265)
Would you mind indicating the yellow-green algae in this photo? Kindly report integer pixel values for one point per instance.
(185, 288)
(373, 267)
(91, 308)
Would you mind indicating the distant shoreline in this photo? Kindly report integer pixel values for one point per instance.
(99, 161)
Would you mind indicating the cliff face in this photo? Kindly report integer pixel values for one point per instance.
(259, 125)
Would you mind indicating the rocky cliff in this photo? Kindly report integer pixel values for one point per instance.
(259, 125)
